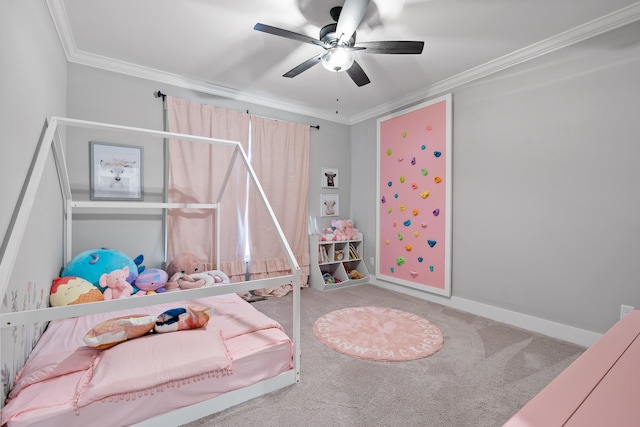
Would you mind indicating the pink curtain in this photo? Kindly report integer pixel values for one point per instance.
(279, 154)
(280, 158)
(196, 173)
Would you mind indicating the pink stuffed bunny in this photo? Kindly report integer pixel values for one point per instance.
(116, 284)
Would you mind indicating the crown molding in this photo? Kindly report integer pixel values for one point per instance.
(61, 22)
(575, 35)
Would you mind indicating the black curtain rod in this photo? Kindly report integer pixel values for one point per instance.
(159, 94)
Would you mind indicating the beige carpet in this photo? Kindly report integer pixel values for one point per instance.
(481, 376)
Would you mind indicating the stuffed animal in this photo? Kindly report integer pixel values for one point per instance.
(115, 284)
(184, 272)
(339, 229)
(70, 290)
(151, 281)
(327, 235)
(355, 275)
(349, 230)
(188, 281)
(92, 264)
(185, 263)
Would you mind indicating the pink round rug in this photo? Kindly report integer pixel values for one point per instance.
(378, 333)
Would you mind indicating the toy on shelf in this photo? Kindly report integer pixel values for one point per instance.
(151, 281)
(93, 263)
(355, 275)
(186, 272)
(115, 284)
(71, 290)
(344, 230)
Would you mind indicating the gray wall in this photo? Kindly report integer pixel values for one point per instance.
(545, 191)
(33, 79)
(114, 98)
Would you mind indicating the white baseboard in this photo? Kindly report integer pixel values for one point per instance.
(542, 326)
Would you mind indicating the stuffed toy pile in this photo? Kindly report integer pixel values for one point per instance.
(105, 274)
(343, 229)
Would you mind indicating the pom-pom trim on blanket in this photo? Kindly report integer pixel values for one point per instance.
(150, 391)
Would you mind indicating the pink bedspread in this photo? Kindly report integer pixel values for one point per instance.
(140, 367)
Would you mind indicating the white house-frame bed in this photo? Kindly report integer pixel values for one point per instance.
(51, 142)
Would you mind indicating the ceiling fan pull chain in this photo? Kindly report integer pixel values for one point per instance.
(337, 92)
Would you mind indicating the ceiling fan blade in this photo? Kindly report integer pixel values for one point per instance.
(287, 34)
(304, 66)
(350, 17)
(393, 47)
(357, 74)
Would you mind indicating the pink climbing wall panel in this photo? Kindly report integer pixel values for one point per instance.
(414, 197)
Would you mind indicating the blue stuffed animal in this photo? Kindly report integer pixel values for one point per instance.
(92, 264)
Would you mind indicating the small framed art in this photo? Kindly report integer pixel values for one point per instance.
(329, 205)
(116, 172)
(329, 178)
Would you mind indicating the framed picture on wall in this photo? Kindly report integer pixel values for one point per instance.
(329, 177)
(116, 172)
(329, 205)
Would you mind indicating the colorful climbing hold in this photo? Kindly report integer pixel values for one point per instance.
(413, 273)
(437, 179)
(413, 161)
(389, 151)
(423, 225)
(414, 186)
(415, 233)
(437, 153)
(383, 200)
(431, 243)
(386, 242)
(403, 208)
(404, 134)
(395, 224)
(392, 269)
(408, 248)
(389, 210)
(431, 268)
(402, 178)
(415, 212)
(389, 183)
(420, 259)
(407, 223)
(400, 261)
(424, 172)
(424, 147)
(436, 212)
(400, 236)
(395, 195)
(425, 194)
(429, 127)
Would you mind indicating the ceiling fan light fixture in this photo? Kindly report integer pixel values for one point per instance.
(338, 59)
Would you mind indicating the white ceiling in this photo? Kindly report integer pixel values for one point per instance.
(210, 45)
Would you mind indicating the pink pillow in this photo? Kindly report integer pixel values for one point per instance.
(117, 330)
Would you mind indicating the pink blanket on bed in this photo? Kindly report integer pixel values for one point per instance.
(143, 365)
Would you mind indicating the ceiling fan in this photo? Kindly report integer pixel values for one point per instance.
(339, 41)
